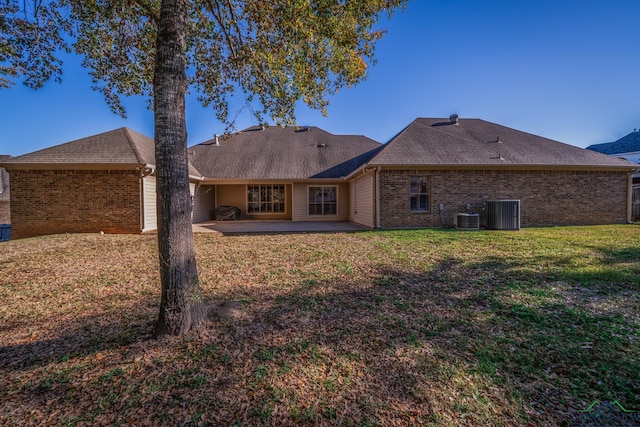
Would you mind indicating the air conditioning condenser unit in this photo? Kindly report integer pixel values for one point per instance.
(467, 221)
(503, 215)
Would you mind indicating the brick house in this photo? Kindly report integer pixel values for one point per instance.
(436, 168)
(429, 173)
(100, 183)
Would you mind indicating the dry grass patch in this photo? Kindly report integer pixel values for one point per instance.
(429, 327)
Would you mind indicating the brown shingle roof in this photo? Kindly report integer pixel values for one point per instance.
(281, 153)
(475, 142)
(123, 147)
(120, 146)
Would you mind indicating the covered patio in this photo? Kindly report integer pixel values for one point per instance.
(269, 227)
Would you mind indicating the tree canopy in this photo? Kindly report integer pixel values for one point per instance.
(276, 53)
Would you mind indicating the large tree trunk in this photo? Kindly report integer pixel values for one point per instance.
(181, 306)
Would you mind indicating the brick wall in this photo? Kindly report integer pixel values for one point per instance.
(546, 197)
(5, 212)
(71, 201)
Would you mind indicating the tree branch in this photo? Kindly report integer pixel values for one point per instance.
(234, 20)
(148, 9)
(218, 18)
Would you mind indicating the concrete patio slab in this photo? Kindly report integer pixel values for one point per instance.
(269, 227)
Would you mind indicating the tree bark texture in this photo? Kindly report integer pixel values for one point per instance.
(181, 306)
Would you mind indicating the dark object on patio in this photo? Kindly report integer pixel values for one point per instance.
(226, 212)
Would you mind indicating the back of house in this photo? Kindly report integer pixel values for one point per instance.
(436, 172)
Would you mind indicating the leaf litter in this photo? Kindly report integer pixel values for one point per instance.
(413, 327)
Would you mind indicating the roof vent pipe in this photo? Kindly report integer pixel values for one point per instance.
(453, 119)
(217, 139)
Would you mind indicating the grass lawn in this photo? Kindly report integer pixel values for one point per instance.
(428, 327)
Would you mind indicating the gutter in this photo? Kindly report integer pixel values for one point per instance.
(148, 169)
(508, 166)
(73, 166)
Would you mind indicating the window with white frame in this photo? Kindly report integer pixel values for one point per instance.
(419, 194)
(265, 198)
(323, 200)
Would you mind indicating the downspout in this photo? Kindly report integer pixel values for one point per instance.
(630, 195)
(377, 198)
(141, 186)
(355, 199)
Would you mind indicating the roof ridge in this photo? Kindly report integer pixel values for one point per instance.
(384, 145)
(136, 150)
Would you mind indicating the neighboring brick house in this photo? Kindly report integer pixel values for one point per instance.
(5, 209)
(627, 147)
(424, 177)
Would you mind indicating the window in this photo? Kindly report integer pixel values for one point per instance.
(265, 198)
(323, 200)
(419, 194)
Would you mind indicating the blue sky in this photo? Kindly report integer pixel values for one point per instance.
(568, 70)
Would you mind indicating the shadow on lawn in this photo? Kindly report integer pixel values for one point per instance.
(549, 346)
(79, 338)
(502, 341)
